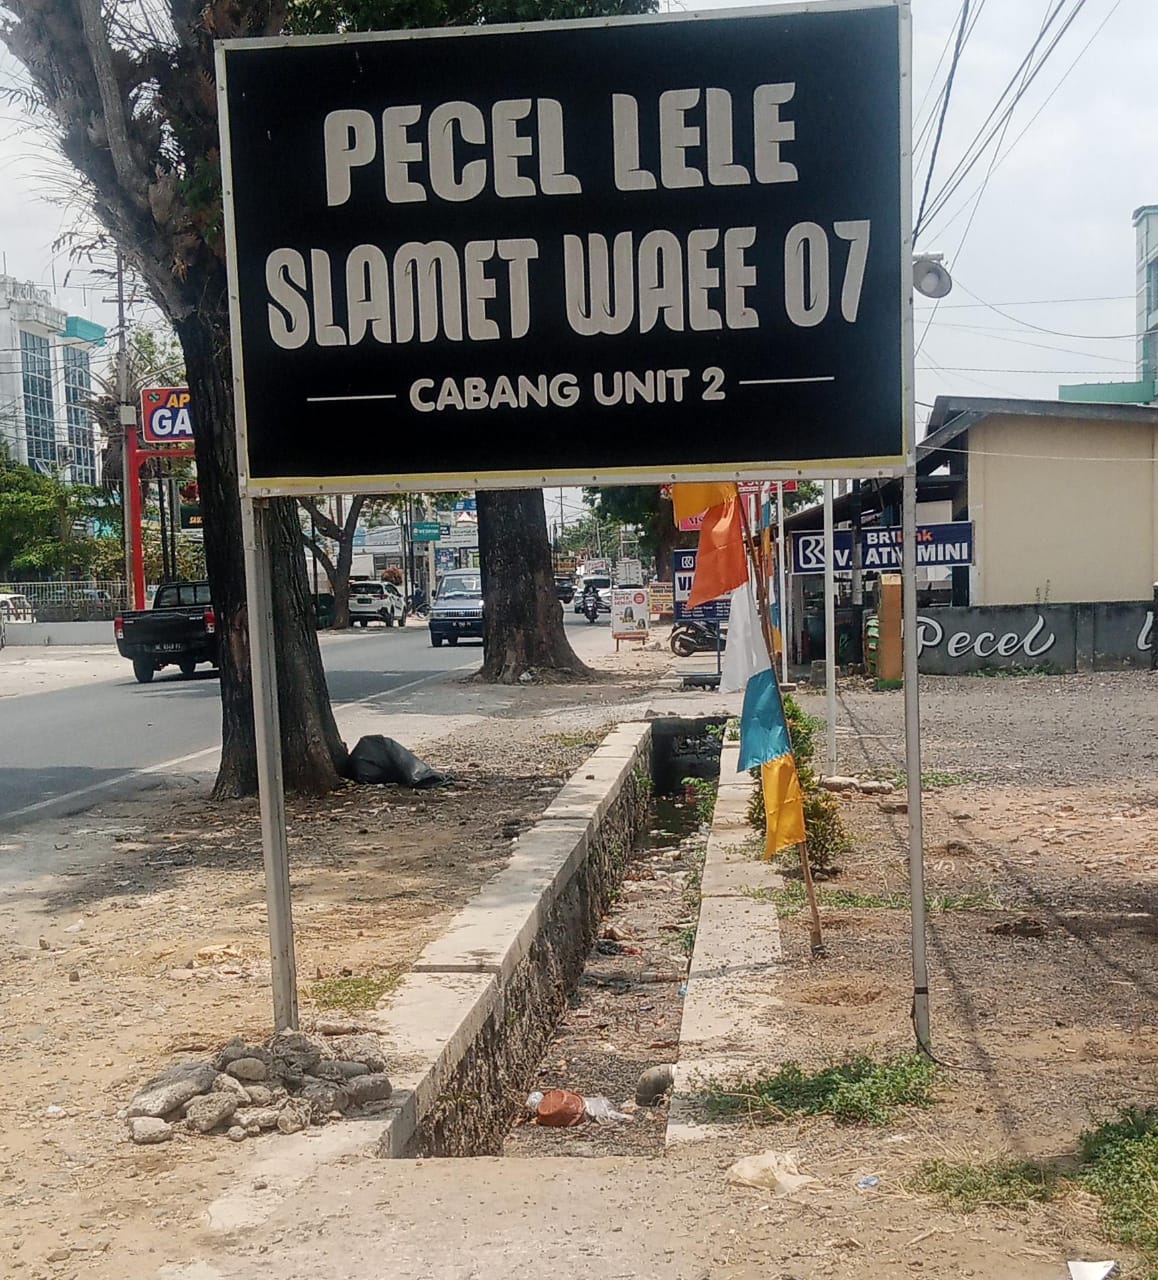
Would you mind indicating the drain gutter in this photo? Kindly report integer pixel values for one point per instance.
(467, 1026)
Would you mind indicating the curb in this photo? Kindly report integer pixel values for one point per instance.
(733, 1020)
(481, 1002)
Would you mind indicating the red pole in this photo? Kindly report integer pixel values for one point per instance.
(135, 532)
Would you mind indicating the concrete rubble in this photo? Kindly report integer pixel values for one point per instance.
(292, 1081)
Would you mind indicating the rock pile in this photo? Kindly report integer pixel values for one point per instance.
(291, 1081)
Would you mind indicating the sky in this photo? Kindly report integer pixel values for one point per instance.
(1046, 236)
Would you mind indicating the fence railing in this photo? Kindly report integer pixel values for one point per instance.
(87, 600)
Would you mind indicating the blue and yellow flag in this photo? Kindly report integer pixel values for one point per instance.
(765, 742)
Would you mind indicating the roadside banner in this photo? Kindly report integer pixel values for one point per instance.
(683, 232)
(661, 599)
(166, 415)
(629, 613)
(683, 575)
(629, 573)
(938, 545)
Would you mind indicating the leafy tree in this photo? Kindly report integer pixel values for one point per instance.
(642, 506)
(129, 93)
(337, 569)
(45, 524)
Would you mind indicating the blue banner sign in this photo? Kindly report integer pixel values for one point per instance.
(466, 504)
(683, 571)
(944, 545)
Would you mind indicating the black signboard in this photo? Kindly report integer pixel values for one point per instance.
(633, 249)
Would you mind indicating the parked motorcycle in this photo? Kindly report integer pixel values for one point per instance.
(694, 636)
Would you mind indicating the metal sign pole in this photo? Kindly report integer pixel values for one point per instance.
(829, 629)
(781, 583)
(913, 759)
(271, 791)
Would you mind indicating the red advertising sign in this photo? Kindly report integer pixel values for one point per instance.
(166, 416)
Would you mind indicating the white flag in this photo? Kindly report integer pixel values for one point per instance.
(745, 653)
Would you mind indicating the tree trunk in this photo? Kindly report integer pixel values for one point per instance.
(522, 621)
(313, 753)
(666, 539)
(342, 568)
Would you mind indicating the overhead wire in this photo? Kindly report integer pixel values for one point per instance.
(1057, 333)
(979, 146)
(945, 97)
(1038, 302)
(993, 157)
(1000, 159)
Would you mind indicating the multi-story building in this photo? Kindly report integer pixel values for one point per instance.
(1144, 389)
(1146, 230)
(46, 384)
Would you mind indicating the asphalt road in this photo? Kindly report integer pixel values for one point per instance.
(60, 749)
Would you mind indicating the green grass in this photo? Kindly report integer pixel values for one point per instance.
(352, 995)
(857, 1090)
(883, 686)
(1120, 1166)
(703, 790)
(1002, 1183)
(686, 939)
(793, 897)
(931, 779)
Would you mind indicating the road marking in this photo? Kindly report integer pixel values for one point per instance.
(107, 783)
(165, 766)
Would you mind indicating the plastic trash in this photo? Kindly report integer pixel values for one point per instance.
(378, 760)
(560, 1109)
(774, 1170)
(601, 1111)
(533, 1100)
(1091, 1270)
(867, 1184)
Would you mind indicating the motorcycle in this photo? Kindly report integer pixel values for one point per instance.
(693, 636)
(417, 606)
(591, 606)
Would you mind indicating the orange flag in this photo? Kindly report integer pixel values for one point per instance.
(722, 563)
(689, 500)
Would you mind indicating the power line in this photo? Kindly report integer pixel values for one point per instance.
(964, 368)
(993, 158)
(1046, 101)
(1057, 333)
(968, 161)
(1036, 302)
(1039, 346)
(944, 111)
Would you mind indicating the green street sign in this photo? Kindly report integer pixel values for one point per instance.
(426, 531)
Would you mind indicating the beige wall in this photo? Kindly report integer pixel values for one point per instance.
(1053, 525)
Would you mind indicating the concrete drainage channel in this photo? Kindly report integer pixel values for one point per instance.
(523, 992)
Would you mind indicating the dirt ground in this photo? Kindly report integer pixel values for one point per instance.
(1041, 795)
(138, 934)
(1041, 826)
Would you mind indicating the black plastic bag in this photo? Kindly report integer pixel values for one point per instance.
(377, 759)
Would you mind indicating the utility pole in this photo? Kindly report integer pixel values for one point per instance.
(857, 567)
(127, 416)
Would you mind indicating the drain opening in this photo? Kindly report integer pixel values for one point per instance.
(624, 1015)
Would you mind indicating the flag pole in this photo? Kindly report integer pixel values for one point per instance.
(816, 936)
